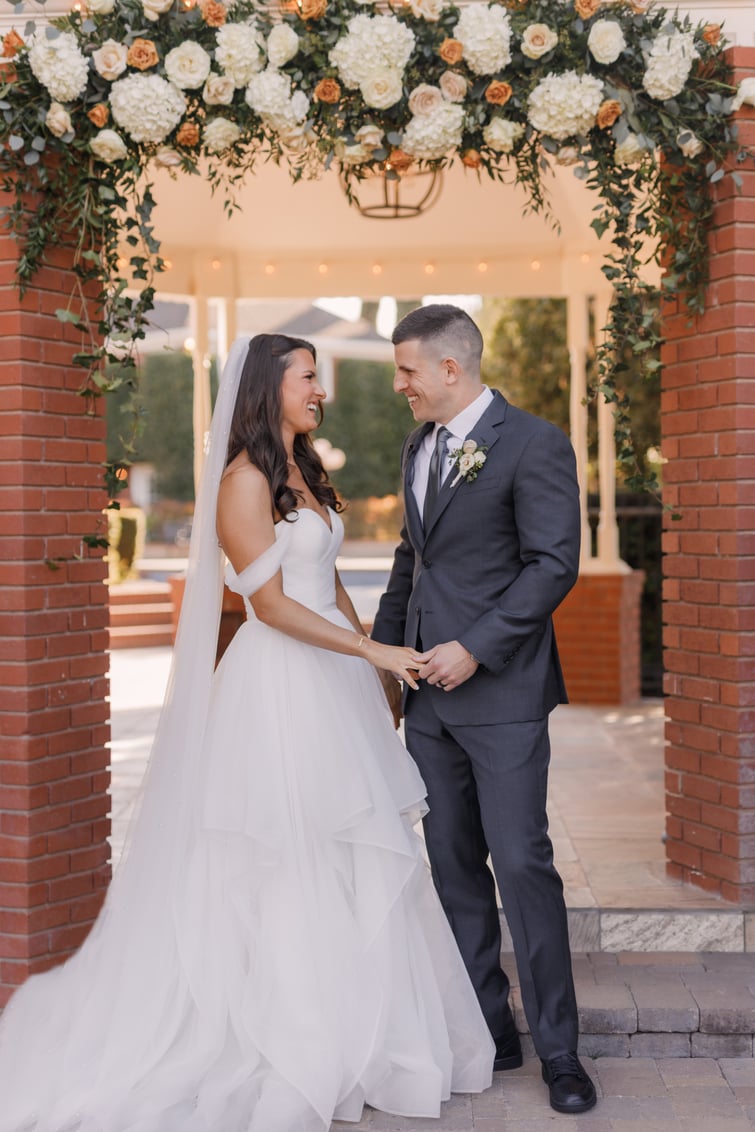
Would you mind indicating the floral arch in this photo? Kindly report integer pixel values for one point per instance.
(636, 100)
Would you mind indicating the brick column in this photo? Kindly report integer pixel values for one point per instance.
(708, 425)
(53, 635)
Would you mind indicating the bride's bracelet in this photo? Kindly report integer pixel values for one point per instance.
(361, 642)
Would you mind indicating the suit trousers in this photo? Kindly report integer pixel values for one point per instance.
(487, 789)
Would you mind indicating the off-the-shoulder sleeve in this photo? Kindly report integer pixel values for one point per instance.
(264, 567)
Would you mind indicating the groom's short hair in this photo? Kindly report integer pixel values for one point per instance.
(448, 328)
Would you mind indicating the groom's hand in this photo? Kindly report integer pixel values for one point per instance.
(447, 665)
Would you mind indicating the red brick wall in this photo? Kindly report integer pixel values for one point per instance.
(53, 635)
(598, 634)
(708, 422)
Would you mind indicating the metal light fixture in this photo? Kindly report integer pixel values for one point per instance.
(388, 195)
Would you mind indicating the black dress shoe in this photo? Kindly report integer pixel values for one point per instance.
(570, 1088)
(508, 1052)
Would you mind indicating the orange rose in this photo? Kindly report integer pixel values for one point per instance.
(712, 34)
(312, 9)
(498, 93)
(188, 134)
(471, 158)
(12, 44)
(327, 90)
(608, 112)
(398, 161)
(214, 13)
(451, 51)
(98, 115)
(142, 54)
(587, 8)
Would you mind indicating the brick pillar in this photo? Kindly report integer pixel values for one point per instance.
(53, 635)
(708, 425)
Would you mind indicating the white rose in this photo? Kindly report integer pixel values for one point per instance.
(353, 154)
(187, 66)
(538, 40)
(469, 446)
(282, 45)
(383, 89)
(424, 99)
(466, 463)
(166, 157)
(501, 134)
(453, 86)
(479, 459)
(219, 90)
(429, 10)
(293, 138)
(689, 143)
(606, 41)
(745, 94)
(100, 7)
(567, 155)
(369, 136)
(155, 8)
(58, 120)
(630, 150)
(220, 134)
(110, 60)
(108, 146)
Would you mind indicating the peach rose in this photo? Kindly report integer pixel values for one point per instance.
(188, 134)
(425, 98)
(471, 158)
(12, 44)
(498, 93)
(587, 8)
(398, 161)
(712, 34)
(142, 54)
(453, 86)
(312, 9)
(98, 115)
(451, 51)
(214, 13)
(327, 90)
(608, 112)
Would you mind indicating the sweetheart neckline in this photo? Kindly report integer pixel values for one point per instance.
(316, 514)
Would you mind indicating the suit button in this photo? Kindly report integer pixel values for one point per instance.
(426, 563)
(417, 609)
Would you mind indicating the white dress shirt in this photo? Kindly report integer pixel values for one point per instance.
(460, 427)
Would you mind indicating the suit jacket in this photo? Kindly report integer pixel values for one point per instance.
(499, 554)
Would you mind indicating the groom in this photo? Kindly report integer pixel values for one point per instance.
(489, 548)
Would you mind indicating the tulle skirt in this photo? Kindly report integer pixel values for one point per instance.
(278, 958)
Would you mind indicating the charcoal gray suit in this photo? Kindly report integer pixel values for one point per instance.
(499, 554)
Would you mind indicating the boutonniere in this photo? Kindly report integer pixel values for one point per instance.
(468, 459)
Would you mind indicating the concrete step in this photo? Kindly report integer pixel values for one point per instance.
(143, 613)
(659, 1005)
(139, 592)
(140, 636)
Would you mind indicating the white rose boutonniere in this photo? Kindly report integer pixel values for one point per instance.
(469, 459)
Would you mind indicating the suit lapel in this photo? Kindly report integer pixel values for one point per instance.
(486, 432)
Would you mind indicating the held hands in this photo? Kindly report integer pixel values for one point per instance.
(402, 662)
(447, 665)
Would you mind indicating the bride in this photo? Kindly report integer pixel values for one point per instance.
(271, 954)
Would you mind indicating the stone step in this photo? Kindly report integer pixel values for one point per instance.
(140, 636)
(659, 1005)
(146, 613)
(139, 592)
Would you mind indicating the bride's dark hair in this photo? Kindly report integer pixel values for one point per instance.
(256, 425)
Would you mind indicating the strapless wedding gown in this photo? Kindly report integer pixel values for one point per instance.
(295, 962)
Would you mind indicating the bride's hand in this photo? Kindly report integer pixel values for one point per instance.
(402, 662)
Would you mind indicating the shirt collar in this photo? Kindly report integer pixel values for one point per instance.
(463, 423)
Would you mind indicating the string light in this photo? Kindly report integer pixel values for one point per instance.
(585, 257)
(167, 264)
(429, 269)
(121, 263)
(535, 265)
(216, 264)
(322, 268)
(377, 269)
(269, 269)
(482, 266)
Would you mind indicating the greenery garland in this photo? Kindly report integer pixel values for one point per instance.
(636, 100)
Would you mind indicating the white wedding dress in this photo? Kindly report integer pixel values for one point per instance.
(272, 954)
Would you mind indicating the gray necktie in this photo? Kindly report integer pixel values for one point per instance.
(437, 466)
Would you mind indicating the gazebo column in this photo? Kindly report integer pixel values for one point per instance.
(598, 624)
(54, 763)
(708, 421)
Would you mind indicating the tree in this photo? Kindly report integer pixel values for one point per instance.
(368, 421)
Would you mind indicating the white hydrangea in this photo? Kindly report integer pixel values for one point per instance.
(669, 63)
(563, 105)
(606, 41)
(501, 134)
(240, 51)
(147, 107)
(484, 30)
(187, 66)
(220, 134)
(59, 65)
(372, 44)
(282, 45)
(432, 135)
(269, 95)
